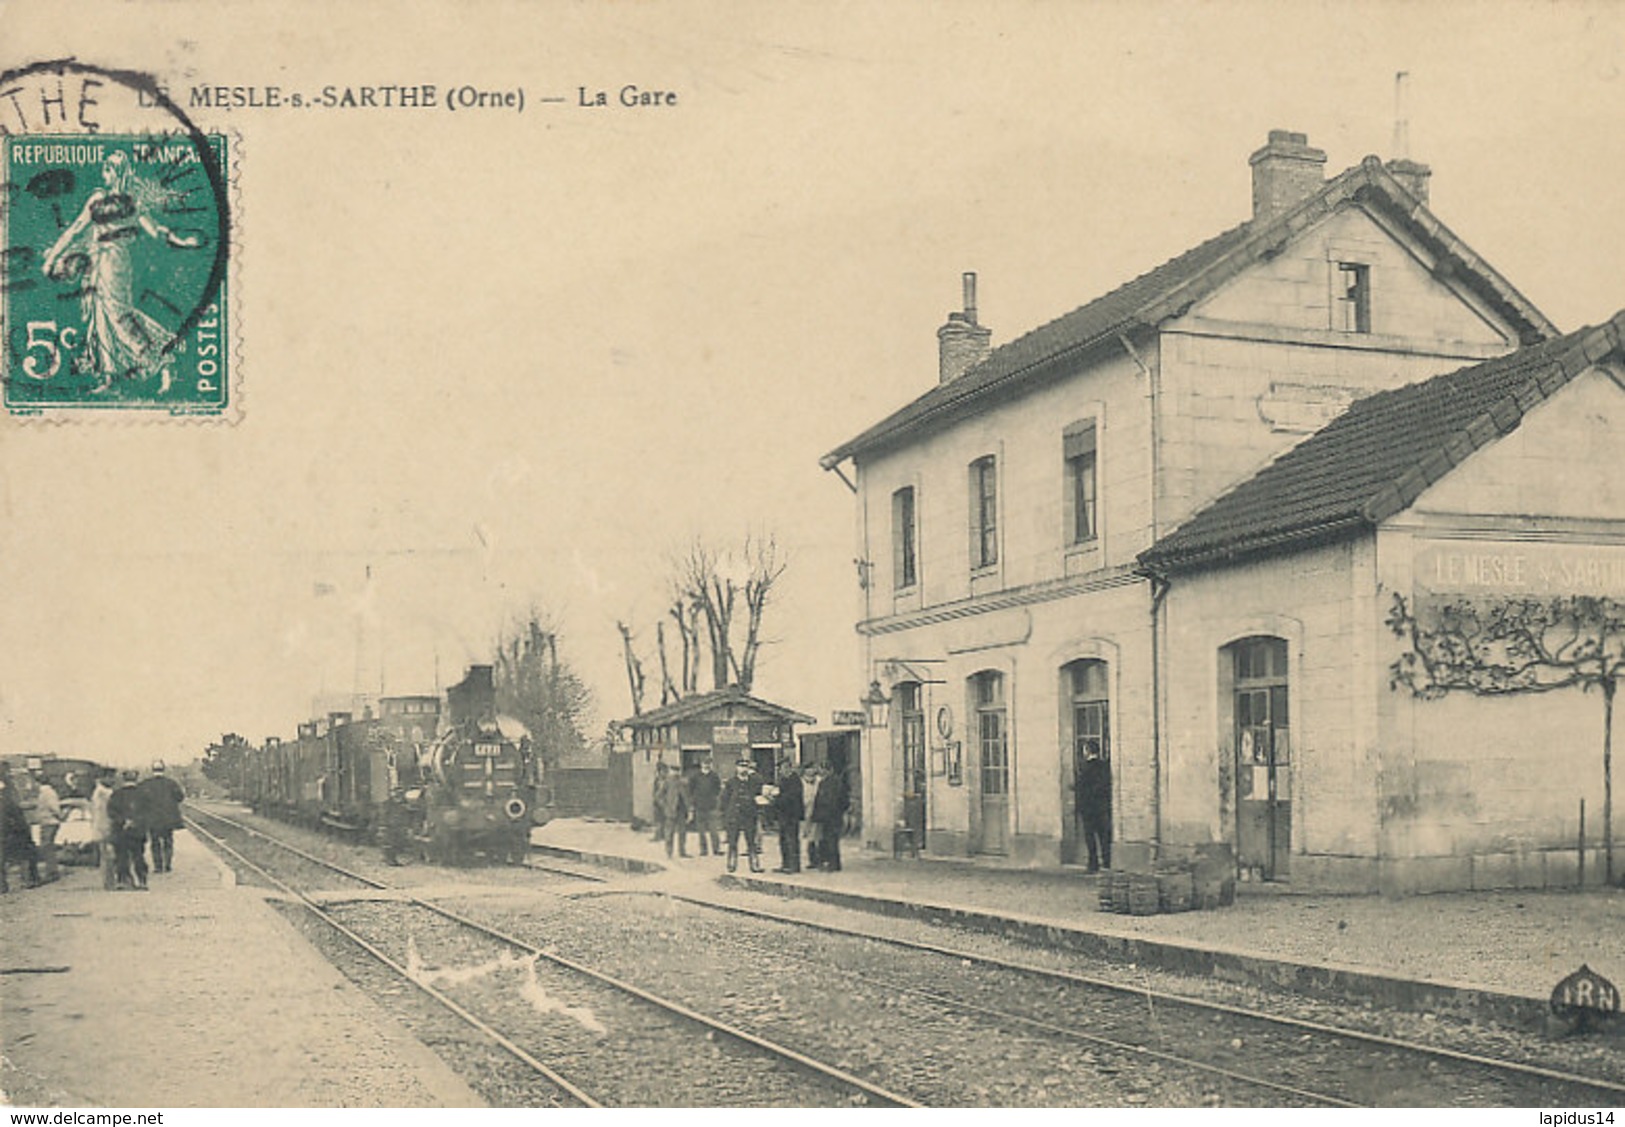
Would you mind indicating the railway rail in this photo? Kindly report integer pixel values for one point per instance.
(1243, 1053)
(1277, 1038)
(754, 1070)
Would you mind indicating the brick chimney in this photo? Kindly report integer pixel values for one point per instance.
(1412, 176)
(1286, 172)
(961, 343)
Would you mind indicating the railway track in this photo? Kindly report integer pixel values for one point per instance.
(641, 1048)
(1309, 1058)
(1058, 1018)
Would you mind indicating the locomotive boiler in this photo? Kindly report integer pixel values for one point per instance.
(479, 782)
(472, 780)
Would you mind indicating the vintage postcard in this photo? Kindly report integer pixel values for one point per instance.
(983, 553)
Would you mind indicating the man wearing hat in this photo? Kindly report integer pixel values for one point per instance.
(48, 809)
(791, 807)
(739, 814)
(161, 798)
(126, 813)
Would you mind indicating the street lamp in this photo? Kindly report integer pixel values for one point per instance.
(877, 706)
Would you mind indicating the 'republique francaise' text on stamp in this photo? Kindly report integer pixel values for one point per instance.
(113, 293)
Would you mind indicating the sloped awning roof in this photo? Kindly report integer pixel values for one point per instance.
(719, 700)
(1377, 458)
(1172, 288)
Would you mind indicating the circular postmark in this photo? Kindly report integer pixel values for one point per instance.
(115, 240)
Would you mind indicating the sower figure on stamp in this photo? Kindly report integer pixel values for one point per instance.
(120, 340)
(1093, 795)
(788, 804)
(739, 814)
(161, 797)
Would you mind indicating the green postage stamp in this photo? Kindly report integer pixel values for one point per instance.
(113, 273)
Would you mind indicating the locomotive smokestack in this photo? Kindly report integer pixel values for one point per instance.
(474, 698)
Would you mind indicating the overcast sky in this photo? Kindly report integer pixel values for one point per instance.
(514, 359)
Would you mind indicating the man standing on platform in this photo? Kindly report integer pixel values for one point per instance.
(788, 804)
(705, 791)
(829, 811)
(102, 826)
(739, 814)
(125, 811)
(396, 815)
(48, 809)
(162, 796)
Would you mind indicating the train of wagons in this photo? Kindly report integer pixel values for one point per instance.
(472, 783)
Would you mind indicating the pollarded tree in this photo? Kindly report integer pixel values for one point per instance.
(711, 583)
(1516, 645)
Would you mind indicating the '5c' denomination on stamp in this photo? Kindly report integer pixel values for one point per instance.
(116, 242)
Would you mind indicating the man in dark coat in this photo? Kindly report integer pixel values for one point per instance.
(395, 827)
(705, 792)
(674, 817)
(739, 814)
(127, 812)
(161, 798)
(1094, 805)
(16, 839)
(829, 812)
(790, 808)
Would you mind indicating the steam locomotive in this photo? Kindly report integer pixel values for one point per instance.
(472, 781)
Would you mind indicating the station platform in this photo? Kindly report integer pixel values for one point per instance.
(1482, 955)
(195, 993)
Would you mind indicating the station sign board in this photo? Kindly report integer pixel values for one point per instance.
(1585, 998)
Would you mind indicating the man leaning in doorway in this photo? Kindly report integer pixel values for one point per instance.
(1093, 790)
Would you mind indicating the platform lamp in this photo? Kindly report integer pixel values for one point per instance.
(877, 706)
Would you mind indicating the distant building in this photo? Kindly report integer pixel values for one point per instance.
(1104, 538)
(725, 726)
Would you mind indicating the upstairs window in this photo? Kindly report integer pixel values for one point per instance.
(1082, 514)
(984, 512)
(1351, 311)
(905, 567)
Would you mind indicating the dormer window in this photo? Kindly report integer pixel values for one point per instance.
(1351, 310)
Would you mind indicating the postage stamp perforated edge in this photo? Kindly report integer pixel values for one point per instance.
(228, 290)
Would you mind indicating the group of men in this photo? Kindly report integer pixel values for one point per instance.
(127, 813)
(701, 800)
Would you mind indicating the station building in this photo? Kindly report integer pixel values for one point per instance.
(1165, 528)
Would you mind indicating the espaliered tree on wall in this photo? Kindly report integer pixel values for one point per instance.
(1507, 646)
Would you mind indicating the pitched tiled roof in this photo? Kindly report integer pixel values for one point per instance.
(1173, 287)
(1376, 458)
(704, 702)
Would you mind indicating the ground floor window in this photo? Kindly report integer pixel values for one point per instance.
(1259, 695)
(1087, 720)
(987, 692)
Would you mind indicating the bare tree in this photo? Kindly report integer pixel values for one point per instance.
(719, 588)
(668, 690)
(538, 689)
(764, 566)
(1519, 645)
(685, 613)
(634, 668)
(702, 573)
